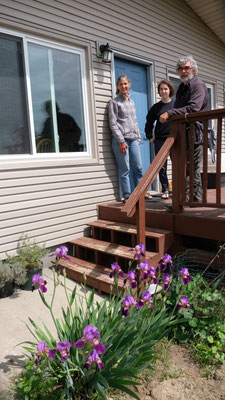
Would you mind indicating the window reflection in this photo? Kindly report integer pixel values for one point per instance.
(57, 114)
(68, 131)
(57, 100)
(14, 137)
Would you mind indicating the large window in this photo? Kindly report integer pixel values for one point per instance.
(43, 108)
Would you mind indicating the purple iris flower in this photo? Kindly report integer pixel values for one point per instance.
(90, 335)
(38, 281)
(131, 276)
(162, 266)
(43, 349)
(166, 280)
(64, 349)
(94, 359)
(165, 262)
(186, 278)
(51, 353)
(116, 270)
(152, 274)
(167, 258)
(144, 299)
(146, 296)
(184, 302)
(139, 251)
(61, 252)
(144, 267)
(127, 303)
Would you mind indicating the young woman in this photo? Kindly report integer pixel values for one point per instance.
(161, 131)
(126, 136)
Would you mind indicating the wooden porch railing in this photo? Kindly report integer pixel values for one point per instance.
(176, 143)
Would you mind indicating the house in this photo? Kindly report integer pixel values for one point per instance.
(51, 75)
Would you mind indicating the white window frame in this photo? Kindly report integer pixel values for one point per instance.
(212, 89)
(25, 39)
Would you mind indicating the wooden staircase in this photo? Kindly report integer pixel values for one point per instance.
(111, 241)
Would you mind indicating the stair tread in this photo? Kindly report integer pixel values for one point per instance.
(85, 264)
(109, 248)
(128, 228)
(98, 272)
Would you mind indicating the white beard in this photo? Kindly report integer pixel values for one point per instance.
(187, 78)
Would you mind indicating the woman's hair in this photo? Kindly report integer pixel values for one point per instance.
(169, 84)
(184, 60)
(123, 76)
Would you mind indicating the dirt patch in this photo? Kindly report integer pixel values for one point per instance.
(178, 377)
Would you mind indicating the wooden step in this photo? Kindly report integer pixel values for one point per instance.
(163, 238)
(97, 276)
(115, 250)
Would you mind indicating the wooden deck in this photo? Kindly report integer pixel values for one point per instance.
(114, 235)
(205, 223)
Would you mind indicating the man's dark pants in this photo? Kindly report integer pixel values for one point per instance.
(198, 154)
(158, 143)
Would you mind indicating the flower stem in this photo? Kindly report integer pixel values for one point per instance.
(67, 296)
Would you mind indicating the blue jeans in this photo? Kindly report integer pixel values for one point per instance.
(132, 159)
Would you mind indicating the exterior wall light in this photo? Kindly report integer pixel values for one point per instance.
(103, 51)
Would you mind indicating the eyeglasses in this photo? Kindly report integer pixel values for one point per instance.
(187, 68)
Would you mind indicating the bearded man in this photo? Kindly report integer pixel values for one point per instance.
(192, 96)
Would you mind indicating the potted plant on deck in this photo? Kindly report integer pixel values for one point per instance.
(29, 255)
(11, 274)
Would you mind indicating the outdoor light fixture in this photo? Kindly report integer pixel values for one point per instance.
(104, 52)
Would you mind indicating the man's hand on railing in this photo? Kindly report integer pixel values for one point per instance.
(164, 117)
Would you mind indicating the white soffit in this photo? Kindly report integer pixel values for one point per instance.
(212, 13)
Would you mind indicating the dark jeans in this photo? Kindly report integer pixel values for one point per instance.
(198, 153)
(158, 143)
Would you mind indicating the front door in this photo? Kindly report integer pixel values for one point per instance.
(139, 90)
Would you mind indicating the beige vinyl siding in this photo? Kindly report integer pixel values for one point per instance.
(53, 199)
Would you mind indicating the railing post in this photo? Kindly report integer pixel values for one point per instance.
(218, 160)
(205, 162)
(177, 152)
(140, 220)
